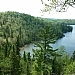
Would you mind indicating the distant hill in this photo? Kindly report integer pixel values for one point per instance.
(13, 24)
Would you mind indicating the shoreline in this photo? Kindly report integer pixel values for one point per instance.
(22, 48)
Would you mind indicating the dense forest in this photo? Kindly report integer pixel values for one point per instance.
(19, 29)
(26, 26)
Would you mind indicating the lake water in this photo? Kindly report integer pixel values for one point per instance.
(68, 42)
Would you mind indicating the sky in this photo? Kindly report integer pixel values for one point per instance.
(33, 7)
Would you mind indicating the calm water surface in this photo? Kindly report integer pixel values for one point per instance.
(68, 42)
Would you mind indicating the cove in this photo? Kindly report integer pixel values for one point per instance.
(68, 42)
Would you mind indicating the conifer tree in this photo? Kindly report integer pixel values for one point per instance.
(24, 57)
(0, 71)
(28, 69)
(6, 47)
(28, 64)
(73, 56)
(16, 69)
(46, 37)
(17, 46)
(6, 50)
(29, 57)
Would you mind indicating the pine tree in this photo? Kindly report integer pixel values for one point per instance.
(17, 46)
(24, 57)
(16, 69)
(28, 69)
(0, 71)
(29, 57)
(73, 56)
(28, 64)
(46, 52)
(6, 47)
(6, 50)
(12, 33)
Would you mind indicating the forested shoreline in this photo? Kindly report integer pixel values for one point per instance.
(26, 26)
(19, 29)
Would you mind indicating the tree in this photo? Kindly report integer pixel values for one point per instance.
(28, 64)
(0, 71)
(73, 56)
(6, 47)
(17, 46)
(45, 54)
(24, 57)
(15, 69)
(58, 5)
(15, 57)
(59, 62)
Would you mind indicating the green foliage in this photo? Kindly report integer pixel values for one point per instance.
(24, 57)
(73, 56)
(26, 26)
(45, 54)
(60, 61)
(17, 30)
(15, 68)
(70, 68)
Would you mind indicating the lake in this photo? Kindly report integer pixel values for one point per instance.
(68, 42)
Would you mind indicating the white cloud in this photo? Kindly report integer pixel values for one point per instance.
(32, 7)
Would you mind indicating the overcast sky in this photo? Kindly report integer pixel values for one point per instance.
(33, 7)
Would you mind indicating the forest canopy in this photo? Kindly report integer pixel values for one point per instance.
(19, 29)
(13, 24)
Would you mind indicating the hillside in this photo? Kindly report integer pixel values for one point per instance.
(26, 26)
(18, 29)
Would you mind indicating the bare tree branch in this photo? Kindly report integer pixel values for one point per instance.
(58, 5)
